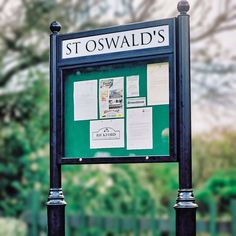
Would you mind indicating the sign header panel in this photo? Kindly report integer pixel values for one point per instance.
(145, 38)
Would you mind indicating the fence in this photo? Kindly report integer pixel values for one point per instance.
(85, 225)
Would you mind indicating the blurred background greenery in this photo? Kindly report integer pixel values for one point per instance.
(114, 190)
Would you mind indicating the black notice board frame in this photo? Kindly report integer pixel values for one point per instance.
(162, 54)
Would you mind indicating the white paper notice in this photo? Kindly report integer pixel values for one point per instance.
(107, 133)
(139, 128)
(158, 83)
(85, 100)
(132, 86)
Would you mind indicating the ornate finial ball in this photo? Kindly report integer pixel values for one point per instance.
(55, 27)
(183, 6)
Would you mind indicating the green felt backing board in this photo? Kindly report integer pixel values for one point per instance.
(77, 133)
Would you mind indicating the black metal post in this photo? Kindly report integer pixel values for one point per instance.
(185, 204)
(56, 204)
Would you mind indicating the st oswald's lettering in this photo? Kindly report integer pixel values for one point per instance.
(116, 42)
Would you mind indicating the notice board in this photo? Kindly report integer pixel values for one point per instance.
(118, 110)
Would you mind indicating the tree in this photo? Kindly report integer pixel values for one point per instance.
(24, 146)
(24, 53)
(211, 23)
(24, 96)
(25, 38)
(213, 154)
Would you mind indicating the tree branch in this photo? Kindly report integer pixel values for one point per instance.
(31, 61)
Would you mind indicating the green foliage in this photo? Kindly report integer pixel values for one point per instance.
(24, 124)
(161, 180)
(99, 189)
(142, 190)
(23, 144)
(221, 188)
(223, 184)
(214, 170)
(213, 152)
(106, 189)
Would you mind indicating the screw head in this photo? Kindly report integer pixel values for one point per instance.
(55, 27)
(183, 6)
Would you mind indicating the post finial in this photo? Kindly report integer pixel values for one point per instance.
(183, 7)
(55, 27)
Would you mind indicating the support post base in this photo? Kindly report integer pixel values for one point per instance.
(185, 213)
(56, 212)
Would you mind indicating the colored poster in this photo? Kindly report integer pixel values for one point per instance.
(111, 98)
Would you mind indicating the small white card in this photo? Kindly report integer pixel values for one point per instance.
(107, 133)
(136, 102)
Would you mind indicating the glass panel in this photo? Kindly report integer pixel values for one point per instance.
(117, 111)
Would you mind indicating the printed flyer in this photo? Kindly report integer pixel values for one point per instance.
(111, 98)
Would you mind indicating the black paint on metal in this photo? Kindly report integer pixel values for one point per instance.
(185, 204)
(180, 117)
(56, 203)
(115, 160)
